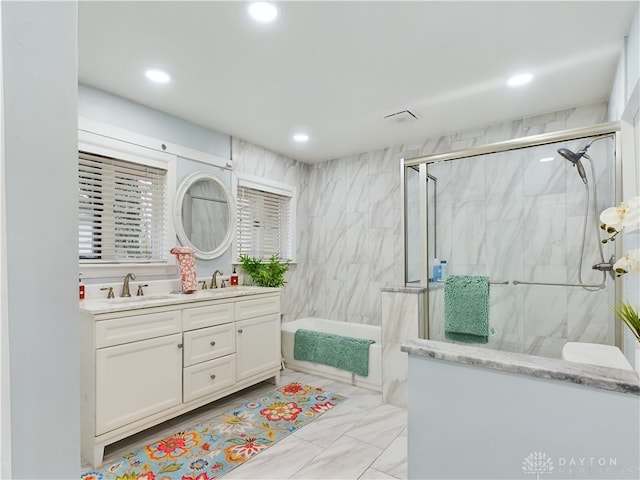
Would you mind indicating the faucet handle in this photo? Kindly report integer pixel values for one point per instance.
(204, 284)
(110, 294)
(140, 291)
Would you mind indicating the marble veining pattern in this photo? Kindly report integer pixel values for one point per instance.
(349, 224)
(626, 381)
(531, 231)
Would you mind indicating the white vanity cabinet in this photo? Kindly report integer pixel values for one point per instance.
(146, 365)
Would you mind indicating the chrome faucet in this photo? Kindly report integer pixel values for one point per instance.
(125, 285)
(214, 279)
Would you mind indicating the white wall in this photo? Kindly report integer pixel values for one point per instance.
(39, 42)
(5, 397)
(472, 422)
(114, 110)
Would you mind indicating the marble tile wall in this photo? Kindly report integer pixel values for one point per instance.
(402, 319)
(350, 242)
(512, 217)
(355, 245)
(257, 161)
(356, 242)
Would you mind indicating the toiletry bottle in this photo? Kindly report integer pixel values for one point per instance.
(444, 270)
(81, 286)
(437, 270)
(234, 278)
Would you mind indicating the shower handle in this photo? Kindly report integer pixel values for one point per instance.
(606, 266)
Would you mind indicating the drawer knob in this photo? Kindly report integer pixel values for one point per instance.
(179, 345)
(212, 343)
(239, 330)
(213, 377)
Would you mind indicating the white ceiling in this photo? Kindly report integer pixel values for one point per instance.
(336, 69)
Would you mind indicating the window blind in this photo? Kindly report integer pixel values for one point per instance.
(263, 226)
(122, 214)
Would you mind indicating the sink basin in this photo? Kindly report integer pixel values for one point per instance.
(119, 300)
(216, 292)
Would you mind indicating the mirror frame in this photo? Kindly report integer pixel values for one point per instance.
(177, 218)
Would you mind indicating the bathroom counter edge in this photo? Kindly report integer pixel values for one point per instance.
(582, 374)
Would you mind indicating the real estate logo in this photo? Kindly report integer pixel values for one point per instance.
(537, 463)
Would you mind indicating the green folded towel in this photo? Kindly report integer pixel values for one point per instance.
(346, 353)
(466, 308)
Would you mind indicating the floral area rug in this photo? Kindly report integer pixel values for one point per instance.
(214, 447)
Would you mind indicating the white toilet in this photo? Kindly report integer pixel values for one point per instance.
(595, 354)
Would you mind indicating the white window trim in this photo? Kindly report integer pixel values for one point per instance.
(102, 144)
(240, 179)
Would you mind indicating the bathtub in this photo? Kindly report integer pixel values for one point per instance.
(370, 332)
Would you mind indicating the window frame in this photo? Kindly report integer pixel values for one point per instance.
(246, 180)
(129, 148)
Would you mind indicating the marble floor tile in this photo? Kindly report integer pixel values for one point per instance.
(347, 458)
(380, 426)
(365, 399)
(393, 461)
(328, 428)
(373, 474)
(279, 461)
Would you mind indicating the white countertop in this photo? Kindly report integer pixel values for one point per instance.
(109, 305)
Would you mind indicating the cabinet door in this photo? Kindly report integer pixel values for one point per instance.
(136, 380)
(257, 346)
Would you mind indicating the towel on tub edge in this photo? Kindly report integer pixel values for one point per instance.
(346, 353)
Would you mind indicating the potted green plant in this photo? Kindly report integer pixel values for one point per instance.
(266, 274)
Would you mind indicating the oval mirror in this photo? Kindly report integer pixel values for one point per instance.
(204, 214)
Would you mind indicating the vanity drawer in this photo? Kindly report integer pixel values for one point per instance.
(199, 317)
(208, 343)
(117, 331)
(209, 377)
(257, 307)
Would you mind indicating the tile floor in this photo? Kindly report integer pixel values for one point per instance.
(361, 438)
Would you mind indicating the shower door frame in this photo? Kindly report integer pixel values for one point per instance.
(613, 128)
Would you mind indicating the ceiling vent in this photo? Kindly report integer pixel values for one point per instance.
(405, 116)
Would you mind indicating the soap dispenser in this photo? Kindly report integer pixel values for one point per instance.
(81, 287)
(234, 278)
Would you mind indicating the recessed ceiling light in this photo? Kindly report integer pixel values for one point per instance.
(263, 11)
(158, 76)
(301, 137)
(519, 79)
(547, 159)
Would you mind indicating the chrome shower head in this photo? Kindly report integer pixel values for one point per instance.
(574, 158)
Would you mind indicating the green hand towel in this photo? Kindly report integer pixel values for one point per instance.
(346, 353)
(466, 308)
